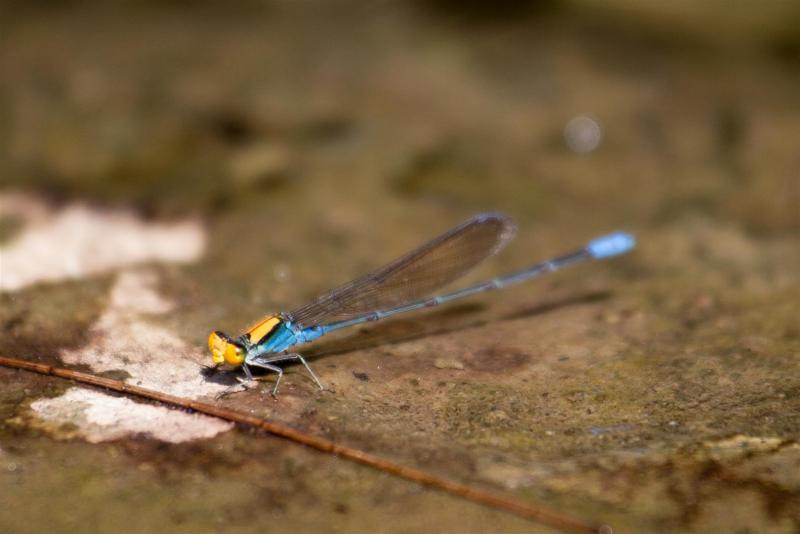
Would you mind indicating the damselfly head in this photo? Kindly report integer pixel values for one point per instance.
(224, 349)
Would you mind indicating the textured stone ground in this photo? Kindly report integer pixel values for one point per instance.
(168, 171)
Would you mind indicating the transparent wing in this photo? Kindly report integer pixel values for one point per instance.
(415, 275)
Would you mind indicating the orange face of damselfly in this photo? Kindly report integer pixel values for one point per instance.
(224, 349)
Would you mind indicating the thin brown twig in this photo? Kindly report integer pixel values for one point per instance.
(492, 500)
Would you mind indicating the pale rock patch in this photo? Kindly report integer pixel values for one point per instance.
(123, 338)
(78, 240)
(100, 417)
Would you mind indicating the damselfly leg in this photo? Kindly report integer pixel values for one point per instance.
(266, 362)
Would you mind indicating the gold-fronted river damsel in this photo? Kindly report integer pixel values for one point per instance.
(401, 286)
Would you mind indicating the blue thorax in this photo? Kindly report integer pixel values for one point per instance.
(285, 335)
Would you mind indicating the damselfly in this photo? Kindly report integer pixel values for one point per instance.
(401, 286)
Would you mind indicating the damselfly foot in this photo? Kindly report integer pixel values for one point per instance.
(240, 386)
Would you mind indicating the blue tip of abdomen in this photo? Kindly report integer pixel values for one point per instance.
(611, 245)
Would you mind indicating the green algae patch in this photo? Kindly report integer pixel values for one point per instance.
(44, 319)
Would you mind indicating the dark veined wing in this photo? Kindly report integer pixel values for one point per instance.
(413, 276)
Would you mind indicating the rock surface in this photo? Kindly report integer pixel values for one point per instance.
(223, 165)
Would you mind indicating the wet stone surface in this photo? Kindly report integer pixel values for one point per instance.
(171, 173)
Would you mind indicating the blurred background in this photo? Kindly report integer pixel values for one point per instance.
(249, 155)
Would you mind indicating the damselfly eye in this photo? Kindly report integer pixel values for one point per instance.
(234, 354)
